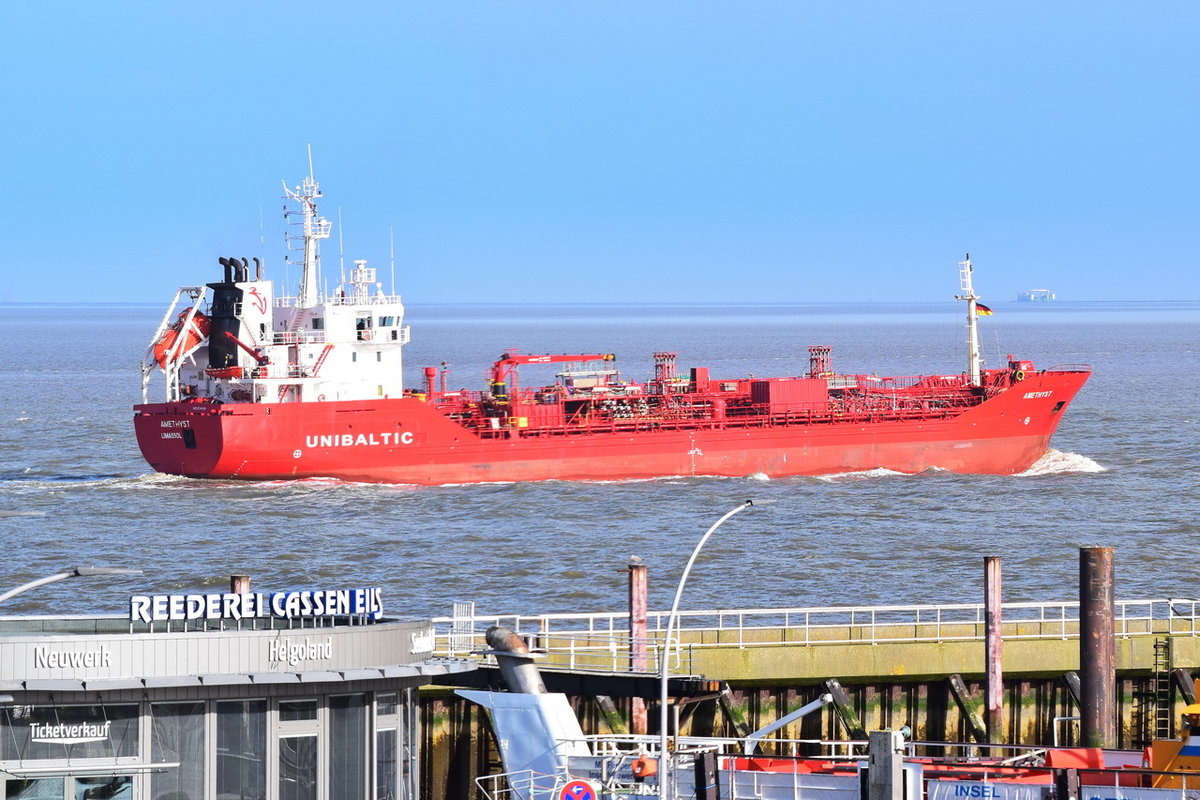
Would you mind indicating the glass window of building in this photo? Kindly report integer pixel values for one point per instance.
(177, 736)
(298, 767)
(34, 789)
(242, 748)
(348, 764)
(297, 710)
(116, 787)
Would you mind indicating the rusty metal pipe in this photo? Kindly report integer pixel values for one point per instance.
(516, 664)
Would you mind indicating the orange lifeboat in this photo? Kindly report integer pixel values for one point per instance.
(167, 347)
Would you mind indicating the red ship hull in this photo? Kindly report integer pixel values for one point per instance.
(408, 440)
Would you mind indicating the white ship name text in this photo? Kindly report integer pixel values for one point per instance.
(353, 440)
(1036, 395)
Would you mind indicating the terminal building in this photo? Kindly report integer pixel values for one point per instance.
(300, 695)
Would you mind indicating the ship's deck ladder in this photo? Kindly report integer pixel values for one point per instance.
(1164, 707)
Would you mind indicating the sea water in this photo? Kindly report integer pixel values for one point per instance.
(1122, 472)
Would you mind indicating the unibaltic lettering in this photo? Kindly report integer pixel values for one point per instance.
(360, 440)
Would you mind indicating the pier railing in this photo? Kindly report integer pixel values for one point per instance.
(602, 641)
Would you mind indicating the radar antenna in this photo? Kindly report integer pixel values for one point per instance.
(974, 362)
(313, 228)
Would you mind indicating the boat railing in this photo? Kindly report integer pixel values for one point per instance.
(351, 299)
(699, 418)
(525, 784)
(602, 641)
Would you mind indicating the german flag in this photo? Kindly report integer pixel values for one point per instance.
(982, 310)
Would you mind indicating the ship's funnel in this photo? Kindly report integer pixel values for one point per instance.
(224, 262)
(516, 663)
(257, 269)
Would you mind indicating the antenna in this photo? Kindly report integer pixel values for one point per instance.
(974, 362)
(311, 176)
(392, 248)
(262, 240)
(341, 248)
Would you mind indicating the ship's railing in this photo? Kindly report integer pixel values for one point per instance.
(376, 299)
(700, 418)
(298, 337)
(280, 371)
(602, 641)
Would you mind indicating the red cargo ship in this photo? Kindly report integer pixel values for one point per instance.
(265, 387)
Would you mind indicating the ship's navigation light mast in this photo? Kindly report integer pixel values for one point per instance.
(974, 362)
(314, 228)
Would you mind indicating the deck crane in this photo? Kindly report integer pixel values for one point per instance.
(505, 367)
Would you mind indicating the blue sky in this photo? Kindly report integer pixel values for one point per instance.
(608, 151)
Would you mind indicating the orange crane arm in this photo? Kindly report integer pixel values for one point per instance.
(507, 364)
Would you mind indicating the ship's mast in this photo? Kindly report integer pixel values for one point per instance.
(315, 228)
(974, 362)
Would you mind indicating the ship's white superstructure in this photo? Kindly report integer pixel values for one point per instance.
(260, 348)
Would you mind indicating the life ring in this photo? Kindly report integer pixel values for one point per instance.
(365, 335)
(1019, 375)
(643, 767)
(320, 398)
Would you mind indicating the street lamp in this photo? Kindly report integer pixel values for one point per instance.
(73, 572)
(665, 765)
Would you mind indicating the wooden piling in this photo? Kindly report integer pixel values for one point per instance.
(993, 649)
(1097, 647)
(638, 636)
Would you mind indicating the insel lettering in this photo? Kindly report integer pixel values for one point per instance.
(359, 440)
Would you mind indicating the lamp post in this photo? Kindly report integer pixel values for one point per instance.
(73, 572)
(666, 767)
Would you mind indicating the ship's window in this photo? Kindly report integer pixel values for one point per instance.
(395, 335)
(387, 322)
(354, 356)
(318, 323)
(378, 356)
